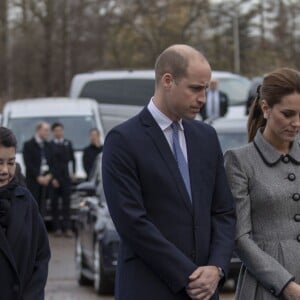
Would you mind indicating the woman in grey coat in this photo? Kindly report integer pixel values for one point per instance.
(265, 180)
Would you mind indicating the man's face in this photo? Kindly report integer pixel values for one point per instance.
(187, 95)
(213, 85)
(43, 132)
(58, 132)
(7, 164)
(94, 137)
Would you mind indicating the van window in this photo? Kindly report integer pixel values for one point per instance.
(76, 129)
(120, 91)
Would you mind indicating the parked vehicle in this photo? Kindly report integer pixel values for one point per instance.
(97, 241)
(77, 116)
(122, 94)
(232, 133)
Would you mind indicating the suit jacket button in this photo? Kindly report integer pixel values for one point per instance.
(297, 218)
(291, 176)
(296, 197)
(285, 159)
(272, 291)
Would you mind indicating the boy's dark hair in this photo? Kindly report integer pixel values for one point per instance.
(7, 138)
(56, 124)
(94, 129)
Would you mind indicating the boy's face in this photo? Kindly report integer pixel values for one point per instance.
(7, 164)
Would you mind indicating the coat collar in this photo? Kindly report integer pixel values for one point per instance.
(270, 155)
(163, 147)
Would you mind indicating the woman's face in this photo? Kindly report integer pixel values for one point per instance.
(7, 164)
(283, 119)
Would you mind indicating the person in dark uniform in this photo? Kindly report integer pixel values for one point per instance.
(24, 246)
(62, 157)
(216, 102)
(36, 154)
(91, 151)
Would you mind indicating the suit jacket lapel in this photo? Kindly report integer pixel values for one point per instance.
(163, 148)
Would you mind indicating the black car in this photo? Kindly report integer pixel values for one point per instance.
(97, 242)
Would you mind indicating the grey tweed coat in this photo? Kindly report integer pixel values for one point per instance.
(266, 187)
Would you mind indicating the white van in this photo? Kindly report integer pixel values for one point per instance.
(122, 94)
(77, 116)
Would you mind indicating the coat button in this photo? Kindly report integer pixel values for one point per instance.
(296, 197)
(291, 176)
(297, 218)
(298, 238)
(285, 159)
(272, 291)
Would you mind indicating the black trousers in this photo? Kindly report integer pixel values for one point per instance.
(39, 193)
(61, 209)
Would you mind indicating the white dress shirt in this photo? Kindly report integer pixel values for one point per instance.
(165, 125)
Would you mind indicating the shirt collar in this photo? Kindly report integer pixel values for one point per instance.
(272, 156)
(38, 139)
(58, 141)
(161, 119)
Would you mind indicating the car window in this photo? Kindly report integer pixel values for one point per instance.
(236, 89)
(76, 128)
(120, 91)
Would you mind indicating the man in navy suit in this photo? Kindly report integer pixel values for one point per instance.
(167, 192)
(37, 160)
(216, 103)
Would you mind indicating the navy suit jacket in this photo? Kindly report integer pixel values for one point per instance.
(165, 236)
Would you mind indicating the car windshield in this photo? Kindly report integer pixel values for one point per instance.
(120, 91)
(76, 128)
(236, 89)
(230, 140)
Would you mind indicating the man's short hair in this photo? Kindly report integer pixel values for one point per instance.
(56, 124)
(94, 129)
(173, 62)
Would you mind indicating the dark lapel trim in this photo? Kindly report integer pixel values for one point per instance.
(270, 155)
(163, 148)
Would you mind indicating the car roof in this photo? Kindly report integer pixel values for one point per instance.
(53, 106)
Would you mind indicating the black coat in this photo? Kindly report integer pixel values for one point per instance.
(24, 251)
(61, 156)
(32, 155)
(89, 155)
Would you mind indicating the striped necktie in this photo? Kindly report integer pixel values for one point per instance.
(181, 161)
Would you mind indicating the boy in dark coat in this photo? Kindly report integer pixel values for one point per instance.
(24, 246)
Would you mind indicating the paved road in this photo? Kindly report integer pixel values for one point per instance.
(62, 284)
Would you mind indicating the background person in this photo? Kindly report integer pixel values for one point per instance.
(216, 102)
(167, 192)
(62, 156)
(36, 155)
(265, 180)
(25, 251)
(90, 152)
